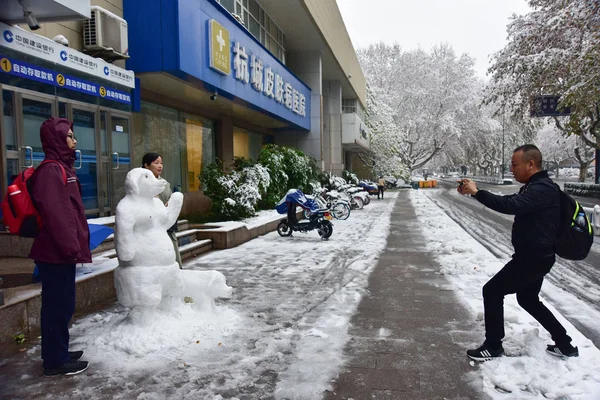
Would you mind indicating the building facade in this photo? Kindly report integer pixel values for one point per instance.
(206, 80)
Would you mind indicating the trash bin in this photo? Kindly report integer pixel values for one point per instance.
(434, 183)
(421, 184)
(427, 184)
(414, 185)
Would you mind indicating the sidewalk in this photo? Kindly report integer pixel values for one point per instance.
(407, 339)
(409, 336)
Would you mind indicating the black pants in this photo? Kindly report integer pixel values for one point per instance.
(380, 191)
(522, 275)
(58, 306)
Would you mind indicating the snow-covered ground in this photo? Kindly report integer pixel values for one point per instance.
(528, 372)
(283, 332)
(281, 335)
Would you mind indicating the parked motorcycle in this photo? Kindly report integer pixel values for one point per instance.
(319, 219)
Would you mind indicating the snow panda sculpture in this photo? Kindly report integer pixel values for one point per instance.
(148, 273)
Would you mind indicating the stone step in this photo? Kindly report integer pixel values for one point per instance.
(190, 248)
(108, 244)
(193, 249)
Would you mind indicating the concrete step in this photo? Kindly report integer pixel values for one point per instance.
(189, 246)
(194, 249)
(108, 244)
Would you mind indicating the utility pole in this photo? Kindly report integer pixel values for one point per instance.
(597, 167)
(502, 146)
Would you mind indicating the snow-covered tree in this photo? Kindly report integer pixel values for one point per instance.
(553, 50)
(383, 156)
(423, 96)
(555, 147)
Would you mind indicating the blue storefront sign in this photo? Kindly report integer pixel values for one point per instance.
(200, 42)
(33, 72)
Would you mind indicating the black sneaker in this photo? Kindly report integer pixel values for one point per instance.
(68, 368)
(564, 352)
(484, 353)
(75, 355)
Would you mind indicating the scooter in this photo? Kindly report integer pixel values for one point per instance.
(319, 220)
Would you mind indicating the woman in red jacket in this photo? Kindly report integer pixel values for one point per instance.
(63, 242)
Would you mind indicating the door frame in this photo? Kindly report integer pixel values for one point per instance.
(71, 104)
(54, 101)
(110, 114)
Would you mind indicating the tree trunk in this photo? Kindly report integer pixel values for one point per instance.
(583, 167)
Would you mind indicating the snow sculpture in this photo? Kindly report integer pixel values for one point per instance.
(148, 275)
(147, 270)
(203, 287)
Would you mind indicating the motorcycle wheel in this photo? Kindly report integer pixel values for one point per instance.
(284, 229)
(358, 203)
(367, 200)
(341, 211)
(325, 229)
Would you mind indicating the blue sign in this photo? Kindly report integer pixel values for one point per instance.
(197, 35)
(45, 75)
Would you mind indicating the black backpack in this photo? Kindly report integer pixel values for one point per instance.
(575, 233)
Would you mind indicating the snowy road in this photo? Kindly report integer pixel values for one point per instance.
(578, 297)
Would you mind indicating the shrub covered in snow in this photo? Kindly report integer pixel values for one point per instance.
(289, 168)
(350, 177)
(235, 194)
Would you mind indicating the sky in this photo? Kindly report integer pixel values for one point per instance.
(475, 27)
(282, 333)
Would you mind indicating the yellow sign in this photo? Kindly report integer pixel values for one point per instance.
(102, 91)
(60, 79)
(220, 52)
(6, 65)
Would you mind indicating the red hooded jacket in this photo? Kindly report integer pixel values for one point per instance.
(65, 236)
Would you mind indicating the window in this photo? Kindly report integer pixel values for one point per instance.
(348, 106)
(10, 136)
(199, 134)
(258, 23)
(185, 141)
(246, 144)
(228, 4)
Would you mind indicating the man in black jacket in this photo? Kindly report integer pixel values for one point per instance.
(537, 216)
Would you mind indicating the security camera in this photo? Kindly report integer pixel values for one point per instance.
(213, 96)
(29, 17)
(31, 21)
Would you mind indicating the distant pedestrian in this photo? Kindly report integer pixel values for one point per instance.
(63, 242)
(380, 186)
(537, 217)
(154, 162)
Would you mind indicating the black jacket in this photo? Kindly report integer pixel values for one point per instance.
(537, 214)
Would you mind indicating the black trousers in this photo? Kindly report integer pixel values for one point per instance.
(380, 191)
(522, 275)
(58, 306)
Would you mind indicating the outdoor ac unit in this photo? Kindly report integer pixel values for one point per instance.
(105, 35)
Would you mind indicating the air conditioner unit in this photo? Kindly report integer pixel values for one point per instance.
(105, 35)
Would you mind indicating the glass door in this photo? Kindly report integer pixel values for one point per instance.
(120, 157)
(9, 131)
(34, 112)
(115, 154)
(86, 164)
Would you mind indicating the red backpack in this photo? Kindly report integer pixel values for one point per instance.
(18, 211)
